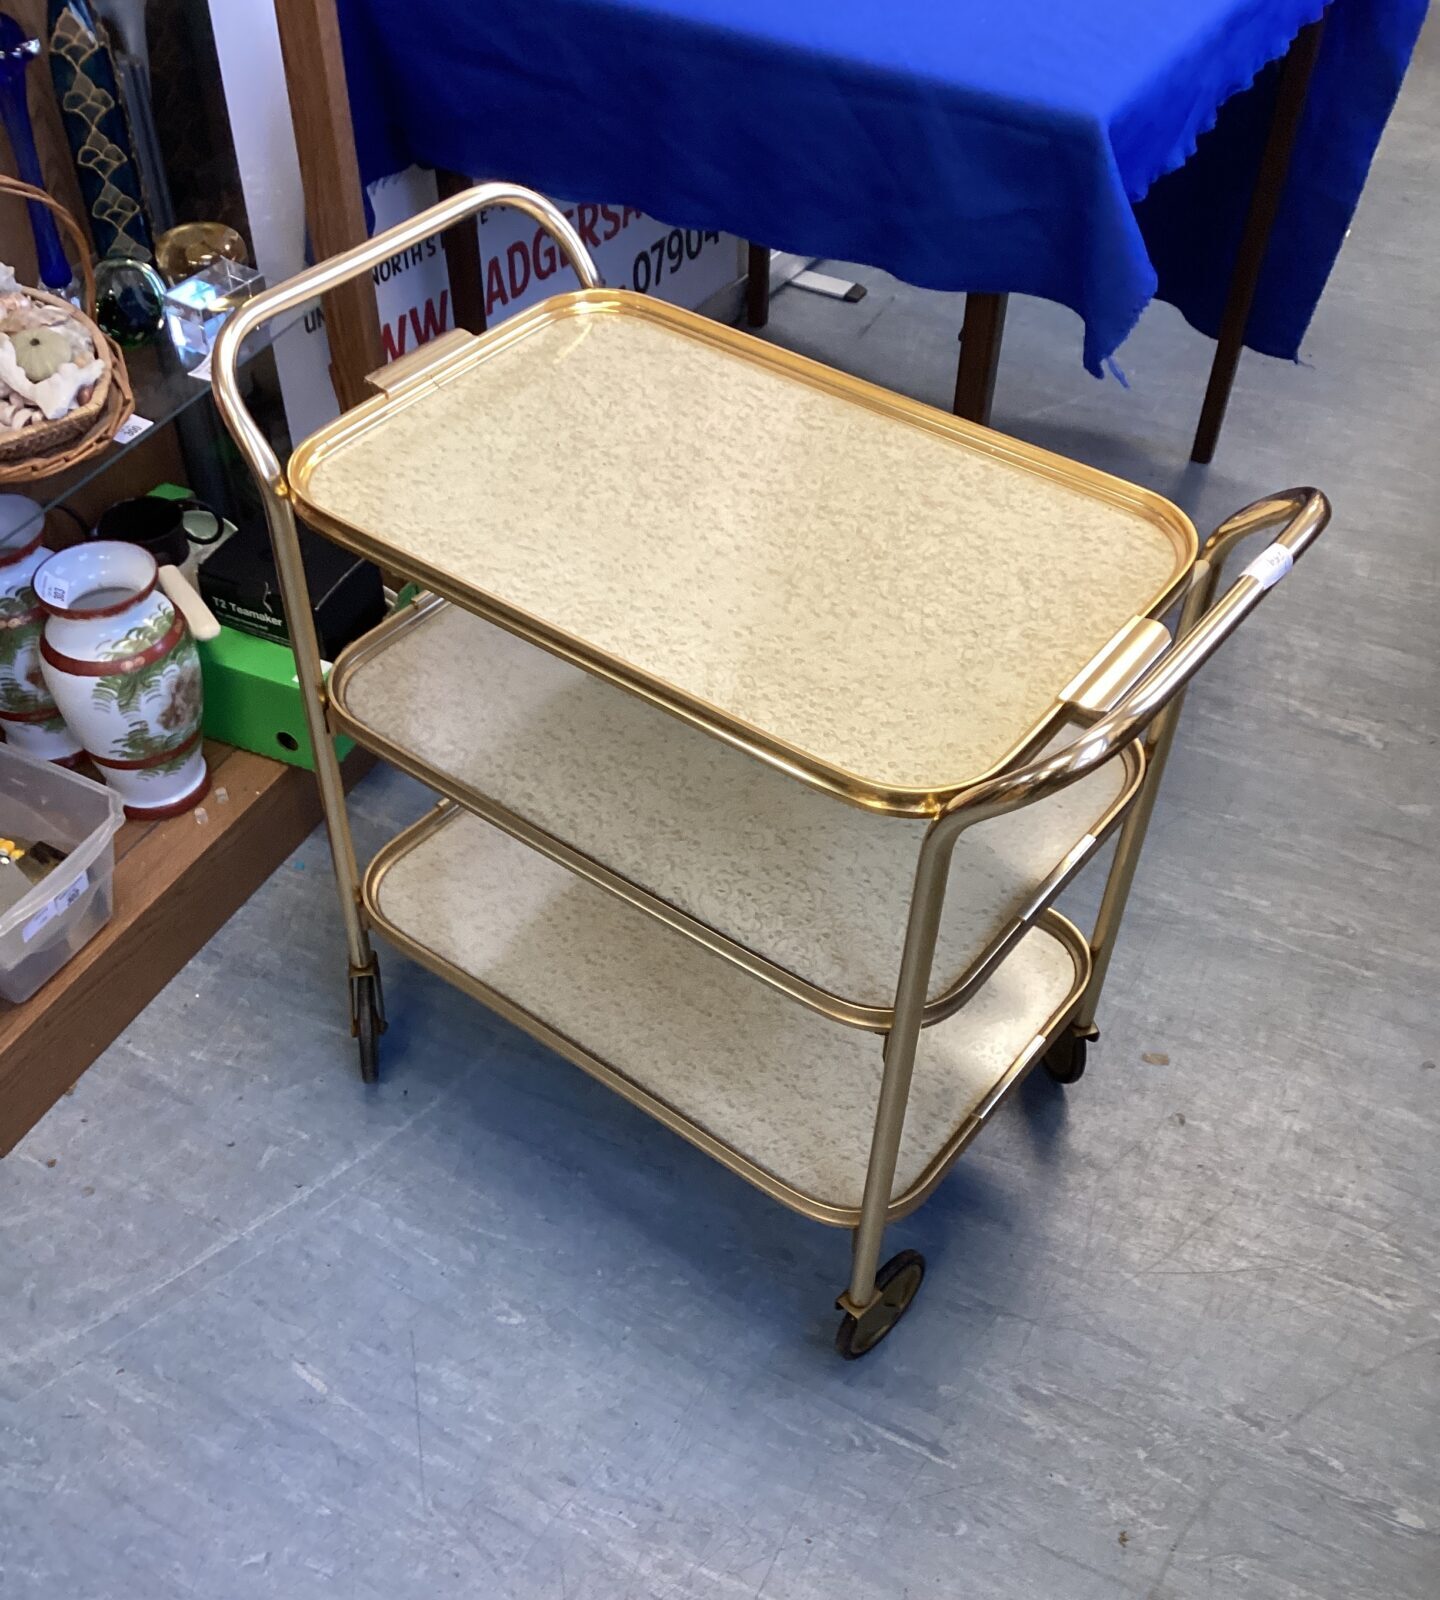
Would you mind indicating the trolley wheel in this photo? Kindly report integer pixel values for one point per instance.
(1065, 1059)
(369, 1025)
(898, 1282)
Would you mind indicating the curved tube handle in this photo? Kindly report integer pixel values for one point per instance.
(1301, 515)
(327, 275)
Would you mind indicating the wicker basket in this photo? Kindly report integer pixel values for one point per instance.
(47, 448)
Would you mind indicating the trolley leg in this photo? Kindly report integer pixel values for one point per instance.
(1122, 876)
(366, 1004)
(879, 1296)
(1203, 584)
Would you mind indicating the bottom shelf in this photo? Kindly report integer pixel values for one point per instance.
(778, 1093)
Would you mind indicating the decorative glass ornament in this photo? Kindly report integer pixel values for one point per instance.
(129, 300)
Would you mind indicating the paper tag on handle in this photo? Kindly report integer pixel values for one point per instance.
(52, 587)
(61, 903)
(1270, 566)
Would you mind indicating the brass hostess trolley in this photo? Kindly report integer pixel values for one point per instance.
(771, 712)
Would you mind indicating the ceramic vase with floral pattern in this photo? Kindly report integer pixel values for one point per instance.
(28, 714)
(123, 668)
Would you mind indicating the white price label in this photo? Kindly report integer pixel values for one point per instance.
(60, 904)
(132, 428)
(52, 587)
(1270, 566)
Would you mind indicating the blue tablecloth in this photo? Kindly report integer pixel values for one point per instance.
(989, 145)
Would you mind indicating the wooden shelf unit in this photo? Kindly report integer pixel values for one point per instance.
(176, 883)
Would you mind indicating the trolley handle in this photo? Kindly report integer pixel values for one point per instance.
(1301, 515)
(327, 275)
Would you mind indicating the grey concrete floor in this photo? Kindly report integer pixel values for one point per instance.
(487, 1331)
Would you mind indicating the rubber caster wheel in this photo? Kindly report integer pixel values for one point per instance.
(369, 1025)
(899, 1282)
(1065, 1059)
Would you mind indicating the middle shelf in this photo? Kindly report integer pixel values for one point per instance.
(818, 887)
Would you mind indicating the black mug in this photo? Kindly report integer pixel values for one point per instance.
(166, 528)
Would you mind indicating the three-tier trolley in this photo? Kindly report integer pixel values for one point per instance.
(770, 710)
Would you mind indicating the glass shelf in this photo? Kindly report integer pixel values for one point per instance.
(166, 390)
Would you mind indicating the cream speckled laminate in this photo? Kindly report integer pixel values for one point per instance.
(889, 598)
(819, 887)
(782, 1088)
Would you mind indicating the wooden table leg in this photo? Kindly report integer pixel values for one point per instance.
(757, 287)
(462, 259)
(1255, 241)
(979, 355)
(330, 177)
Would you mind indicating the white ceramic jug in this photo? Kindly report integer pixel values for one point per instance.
(28, 714)
(122, 666)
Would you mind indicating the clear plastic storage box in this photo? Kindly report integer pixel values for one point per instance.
(39, 933)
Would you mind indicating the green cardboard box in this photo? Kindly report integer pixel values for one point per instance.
(252, 698)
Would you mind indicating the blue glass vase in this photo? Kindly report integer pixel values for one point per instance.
(17, 50)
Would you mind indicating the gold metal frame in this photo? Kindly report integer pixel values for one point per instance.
(1133, 690)
(460, 355)
(1150, 708)
(812, 1206)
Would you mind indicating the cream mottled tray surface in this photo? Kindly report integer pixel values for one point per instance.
(788, 1091)
(819, 887)
(882, 598)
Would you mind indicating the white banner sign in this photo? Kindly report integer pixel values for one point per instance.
(523, 264)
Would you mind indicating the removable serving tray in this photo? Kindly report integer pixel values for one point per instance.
(870, 594)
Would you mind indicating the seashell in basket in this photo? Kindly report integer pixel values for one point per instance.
(42, 374)
(60, 404)
(32, 315)
(40, 352)
(47, 395)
